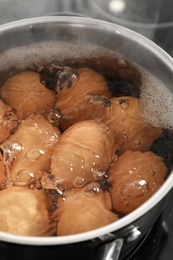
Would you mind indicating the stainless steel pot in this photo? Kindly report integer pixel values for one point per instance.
(116, 240)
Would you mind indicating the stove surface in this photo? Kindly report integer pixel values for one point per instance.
(159, 243)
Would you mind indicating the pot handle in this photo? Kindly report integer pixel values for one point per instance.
(111, 250)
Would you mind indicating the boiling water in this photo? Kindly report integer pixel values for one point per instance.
(157, 109)
(123, 77)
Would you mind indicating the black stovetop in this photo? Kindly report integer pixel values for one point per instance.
(158, 245)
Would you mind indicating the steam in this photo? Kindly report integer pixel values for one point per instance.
(21, 9)
(137, 11)
(138, 15)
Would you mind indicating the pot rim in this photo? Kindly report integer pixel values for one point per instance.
(150, 203)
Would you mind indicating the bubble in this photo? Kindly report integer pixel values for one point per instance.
(96, 105)
(97, 99)
(71, 167)
(124, 103)
(47, 182)
(95, 112)
(153, 173)
(10, 150)
(54, 117)
(66, 80)
(52, 185)
(52, 138)
(121, 63)
(96, 156)
(137, 142)
(114, 158)
(79, 182)
(34, 154)
(24, 178)
(104, 128)
(98, 175)
(135, 188)
(59, 185)
(126, 203)
(32, 186)
(125, 135)
(8, 119)
(10, 147)
(91, 190)
(131, 171)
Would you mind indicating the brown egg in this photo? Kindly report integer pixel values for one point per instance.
(24, 211)
(8, 120)
(134, 177)
(27, 153)
(3, 177)
(70, 102)
(26, 94)
(82, 154)
(123, 116)
(83, 209)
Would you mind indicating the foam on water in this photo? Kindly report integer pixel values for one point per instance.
(43, 52)
(156, 101)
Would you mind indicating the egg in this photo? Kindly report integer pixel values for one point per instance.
(123, 116)
(8, 121)
(82, 154)
(27, 153)
(83, 209)
(133, 178)
(24, 93)
(70, 102)
(24, 211)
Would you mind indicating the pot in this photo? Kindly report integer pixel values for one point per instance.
(117, 240)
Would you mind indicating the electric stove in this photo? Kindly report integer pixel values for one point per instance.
(158, 244)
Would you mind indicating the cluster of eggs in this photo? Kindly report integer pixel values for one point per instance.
(72, 152)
